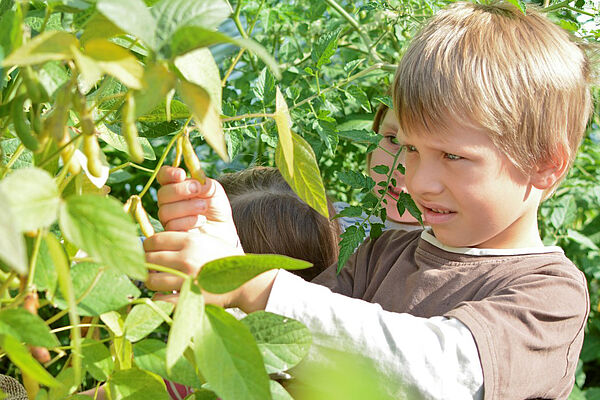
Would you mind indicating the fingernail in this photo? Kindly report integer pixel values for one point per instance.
(180, 175)
(194, 187)
(199, 204)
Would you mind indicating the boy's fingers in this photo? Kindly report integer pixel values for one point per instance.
(170, 297)
(185, 224)
(163, 282)
(167, 174)
(165, 241)
(174, 192)
(179, 209)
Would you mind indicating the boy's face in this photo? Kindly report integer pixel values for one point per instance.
(469, 192)
(388, 129)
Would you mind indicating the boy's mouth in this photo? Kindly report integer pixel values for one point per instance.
(436, 214)
(393, 193)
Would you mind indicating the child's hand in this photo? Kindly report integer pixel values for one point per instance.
(183, 203)
(186, 252)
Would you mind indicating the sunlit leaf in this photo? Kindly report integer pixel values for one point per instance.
(33, 197)
(283, 121)
(200, 68)
(150, 354)
(226, 274)
(96, 359)
(187, 321)
(189, 38)
(206, 116)
(119, 142)
(282, 341)
(47, 46)
(99, 226)
(104, 289)
(229, 359)
(12, 244)
(143, 320)
(137, 384)
(116, 61)
(306, 180)
(157, 82)
(99, 27)
(132, 16)
(21, 357)
(37, 333)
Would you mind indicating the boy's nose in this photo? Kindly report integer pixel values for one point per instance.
(423, 179)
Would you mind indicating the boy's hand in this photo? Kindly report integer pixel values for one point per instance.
(185, 204)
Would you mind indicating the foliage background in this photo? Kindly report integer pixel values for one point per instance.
(337, 60)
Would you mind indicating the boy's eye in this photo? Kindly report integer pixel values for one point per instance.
(451, 156)
(410, 148)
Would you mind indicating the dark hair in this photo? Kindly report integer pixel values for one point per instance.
(271, 219)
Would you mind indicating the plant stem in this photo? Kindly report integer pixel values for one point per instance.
(33, 260)
(154, 308)
(162, 158)
(13, 159)
(365, 38)
(556, 6)
(160, 268)
(130, 164)
(342, 83)
(245, 116)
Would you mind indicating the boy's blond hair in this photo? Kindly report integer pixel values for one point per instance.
(518, 76)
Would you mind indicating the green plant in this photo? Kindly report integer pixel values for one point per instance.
(139, 77)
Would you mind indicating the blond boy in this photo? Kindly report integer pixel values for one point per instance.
(492, 106)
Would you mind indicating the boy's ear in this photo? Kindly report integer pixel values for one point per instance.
(550, 171)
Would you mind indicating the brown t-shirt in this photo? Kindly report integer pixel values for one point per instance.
(527, 312)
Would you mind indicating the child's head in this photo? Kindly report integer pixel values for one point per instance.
(517, 76)
(492, 105)
(271, 219)
(386, 125)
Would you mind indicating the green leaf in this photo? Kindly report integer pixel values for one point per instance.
(189, 38)
(282, 341)
(203, 394)
(10, 31)
(564, 211)
(12, 244)
(21, 357)
(132, 16)
(33, 197)
(68, 385)
(306, 181)
(520, 4)
(229, 358)
(226, 274)
(356, 180)
(114, 322)
(351, 211)
(96, 359)
(112, 289)
(172, 14)
(351, 239)
(187, 321)
(99, 27)
(157, 82)
(159, 113)
(278, 392)
(100, 227)
(47, 46)
(385, 100)
(150, 354)
(137, 384)
(142, 320)
(37, 333)
(325, 48)
(381, 169)
(283, 121)
(408, 203)
(199, 67)
(116, 61)
(265, 87)
(45, 274)
(361, 97)
(584, 241)
(119, 142)
(9, 146)
(206, 115)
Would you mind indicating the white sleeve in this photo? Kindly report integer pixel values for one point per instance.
(434, 357)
